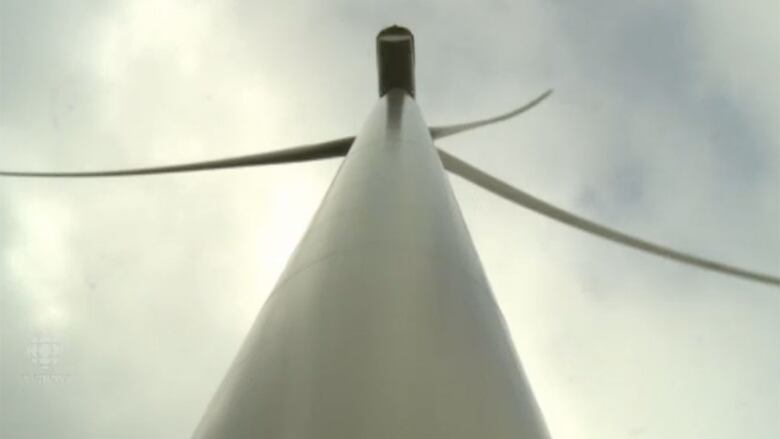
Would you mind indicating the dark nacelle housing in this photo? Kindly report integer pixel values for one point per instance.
(395, 59)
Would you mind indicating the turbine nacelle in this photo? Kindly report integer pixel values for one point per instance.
(395, 59)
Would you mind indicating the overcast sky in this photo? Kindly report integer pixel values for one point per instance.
(664, 123)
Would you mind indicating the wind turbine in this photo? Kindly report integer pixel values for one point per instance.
(383, 324)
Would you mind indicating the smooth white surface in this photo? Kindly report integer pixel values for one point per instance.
(383, 324)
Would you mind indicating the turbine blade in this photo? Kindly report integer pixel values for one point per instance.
(333, 148)
(449, 130)
(504, 190)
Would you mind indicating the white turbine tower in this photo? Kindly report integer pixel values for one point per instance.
(383, 324)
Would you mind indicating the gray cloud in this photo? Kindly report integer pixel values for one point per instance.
(663, 124)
